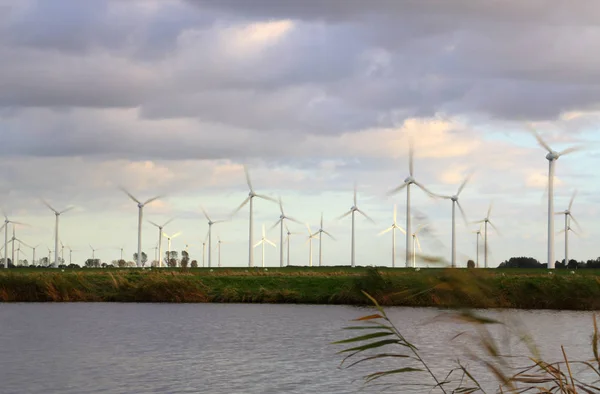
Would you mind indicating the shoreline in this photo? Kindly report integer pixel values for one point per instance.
(433, 287)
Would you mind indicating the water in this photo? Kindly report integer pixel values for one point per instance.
(223, 348)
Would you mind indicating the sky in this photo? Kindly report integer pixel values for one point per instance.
(174, 97)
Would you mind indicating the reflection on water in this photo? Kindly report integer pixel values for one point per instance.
(220, 348)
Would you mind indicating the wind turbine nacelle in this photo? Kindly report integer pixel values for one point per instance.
(454, 198)
(552, 156)
(409, 180)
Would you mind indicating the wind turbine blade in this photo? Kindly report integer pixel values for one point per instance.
(168, 221)
(576, 222)
(365, 215)
(263, 230)
(152, 223)
(418, 243)
(286, 227)
(258, 243)
(489, 212)
(411, 157)
(241, 206)
(220, 221)
(387, 230)
(401, 229)
(462, 186)
(205, 214)
(281, 206)
(354, 193)
(574, 232)
(462, 213)
(429, 192)
(20, 223)
(67, 209)
(49, 206)
(148, 201)
(421, 226)
(395, 213)
(266, 197)
(329, 235)
(270, 243)
(309, 230)
(275, 225)
(176, 235)
(396, 190)
(559, 232)
(321, 220)
(344, 215)
(572, 199)
(293, 220)
(248, 181)
(569, 150)
(165, 235)
(129, 194)
(539, 139)
(91, 247)
(495, 228)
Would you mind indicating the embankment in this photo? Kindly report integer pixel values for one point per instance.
(534, 289)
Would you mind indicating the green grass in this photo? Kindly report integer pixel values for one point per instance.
(481, 288)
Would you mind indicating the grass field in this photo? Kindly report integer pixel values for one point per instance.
(481, 288)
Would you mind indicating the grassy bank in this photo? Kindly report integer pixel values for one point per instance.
(531, 289)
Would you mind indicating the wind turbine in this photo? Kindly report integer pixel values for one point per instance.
(262, 242)
(485, 222)
(454, 199)
(320, 231)
(57, 215)
(393, 228)
(210, 224)
(568, 218)
(415, 241)
(32, 248)
(93, 252)
(219, 249)
(62, 252)
(410, 180)
(353, 209)
(281, 223)
(140, 217)
(169, 238)
(309, 240)
(204, 249)
(70, 254)
(552, 156)
(249, 199)
(6, 223)
(478, 235)
(287, 240)
(160, 234)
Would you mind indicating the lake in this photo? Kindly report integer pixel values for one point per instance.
(229, 348)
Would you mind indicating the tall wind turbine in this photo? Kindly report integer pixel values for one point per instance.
(210, 224)
(416, 243)
(353, 209)
(287, 240)
(262, 242)
(169, 238)
(393, 228)
(552, 156)
(454, 199)
(309, 240)
(568, 217)
(57, 214)
(71, 250)
(160, 234)
(410, 180)
(140, 218)
(93, 252)
(485, 222)
(321, 231)
(249, 199)
(281, 223)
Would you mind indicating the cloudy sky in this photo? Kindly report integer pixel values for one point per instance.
(173, 97)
